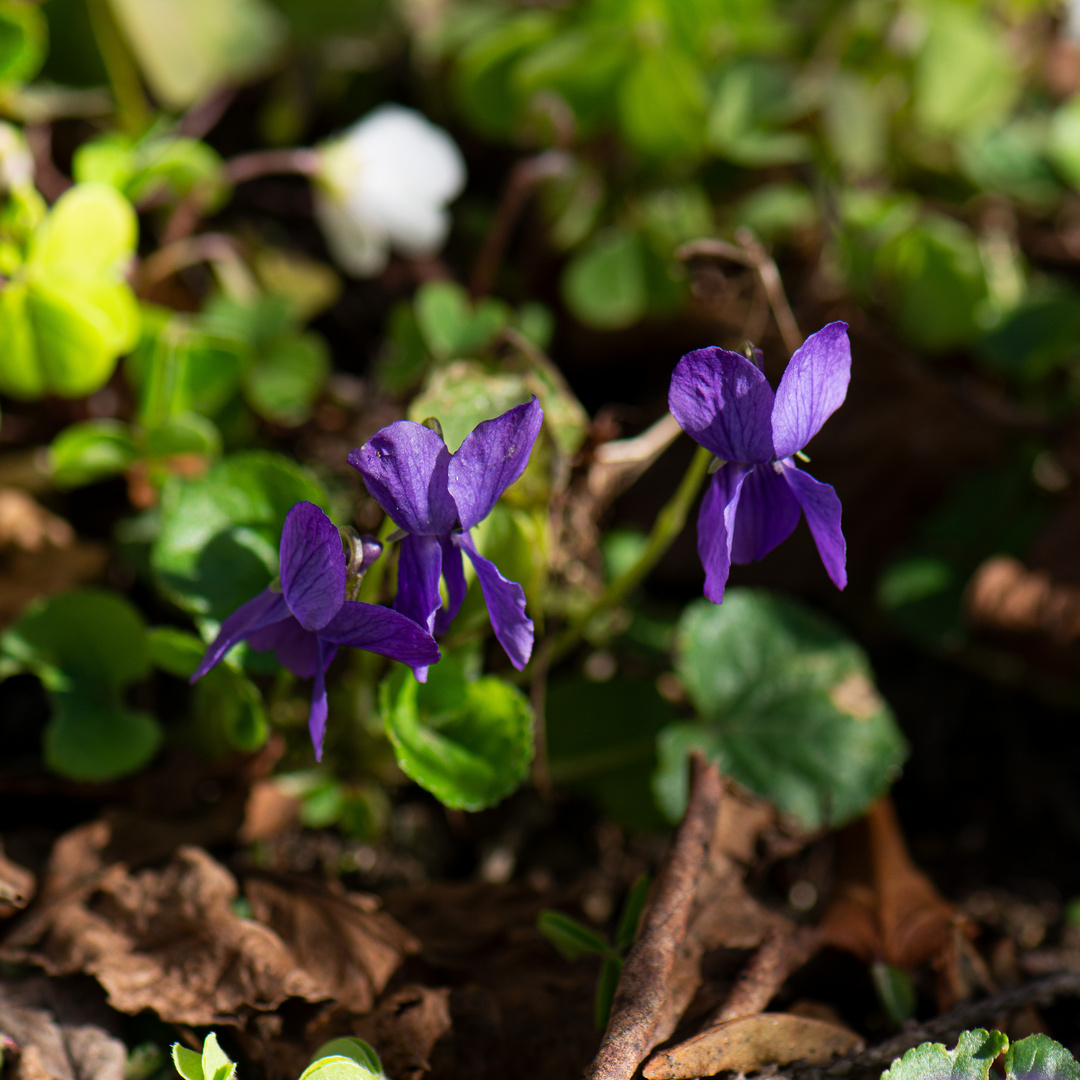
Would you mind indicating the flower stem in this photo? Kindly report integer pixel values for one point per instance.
(132, 111)
(669, 523)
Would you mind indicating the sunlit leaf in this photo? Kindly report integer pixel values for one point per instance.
(89, 451)
(971, 1059)
(604, 285)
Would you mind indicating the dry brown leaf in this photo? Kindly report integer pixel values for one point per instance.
(347, 947)
(163, 939)
(405, 1028)
(270, 810)
(26, 524)
(17, 886)
(57, 1027)
(751, 1043)
(1005, 595)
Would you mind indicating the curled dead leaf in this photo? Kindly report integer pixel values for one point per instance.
(347, 947)
(59, 1031)
(1005, 595)
(751, 1043)
(17, 885)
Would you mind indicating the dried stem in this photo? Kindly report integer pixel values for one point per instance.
(669, 523)
(968, 1015)
(640, 1012)
(219, 249)
(524, 176)
(48, 179)
(751, 253)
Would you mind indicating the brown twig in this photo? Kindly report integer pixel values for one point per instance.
(750, 252)
(785, 950)
(524, 176)
(641, 1014)
(204, 115)
(617, 464)
(48, 179)
(968, 1015)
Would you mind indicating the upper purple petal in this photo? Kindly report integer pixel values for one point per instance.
(716, 526)
(505, 601)
(813, 388)
(768, 513)
(724, 402)
(405, 468)
(312, 566)
(382, 630)
(419, 569)
(493, 455)
(821, 505)
(262, 610)
(453, 574)
(295, 647)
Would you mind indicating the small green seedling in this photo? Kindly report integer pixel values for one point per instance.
(339, 1059)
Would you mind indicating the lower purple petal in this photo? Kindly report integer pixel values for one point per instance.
(768, 513)
(821, 505)
(317, 719)
(505, 603)
(266, 608)
(419, 569)
(454, 575)
(716, 521)
(295, 647)
(381, 630)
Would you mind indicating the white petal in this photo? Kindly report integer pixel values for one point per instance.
(360, 248)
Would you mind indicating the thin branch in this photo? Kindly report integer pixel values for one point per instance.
(48, 179)
(968, 1015)
(640, 1013)
(219, 249)
(524, 176)
(204, 115)
(784, 951)
(751, 253)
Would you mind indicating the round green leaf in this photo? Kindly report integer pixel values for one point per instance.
(91, 230)
(1038, 1057)
(788, 705)
(605, 285)
(88, 740)
(468, 743)
(282, 384)
(23, 41)
(219, 536)
(83, 453)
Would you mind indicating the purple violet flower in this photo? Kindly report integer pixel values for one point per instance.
(436, 497)
(723, 401)
(309, 617)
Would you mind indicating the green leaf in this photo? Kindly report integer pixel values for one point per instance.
(88, 740)
(187, 433)
(895, 991)
(571, 938)
(23, 41)
(1064, 140)
(786, 703)
(468, 743)
(1038, 1057)
(356, 1049)
(606, 985)
(633, 908)
(970, 1060)
(89, 451)
(216, 1064)
(187, 48)
(338, 1067)
(451, 324)
(282, 383)
(229, 711)
(188, 1063)
(218, 544)
(95, 638)
(175, 651)
(965, 77)
(662, 105)
(91, 230)
(604, 285)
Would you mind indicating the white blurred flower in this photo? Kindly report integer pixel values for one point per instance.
(385, 183)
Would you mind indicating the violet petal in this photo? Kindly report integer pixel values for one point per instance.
(812, 389)
(312, 566)
(294, 647)
(419, 568)
(405, 468)
(768, 513)
(268, 607)
(382, 630)
(821, 505)
(454, 576)
(723, 401)
(317, 718)
(716, 521)
(493, 455)
(505, 601)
